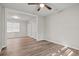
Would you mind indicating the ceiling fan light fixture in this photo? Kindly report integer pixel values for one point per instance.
(42, 5)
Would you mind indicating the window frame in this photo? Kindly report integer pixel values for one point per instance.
(12, 25)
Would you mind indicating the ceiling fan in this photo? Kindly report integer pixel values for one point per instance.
(41, 5)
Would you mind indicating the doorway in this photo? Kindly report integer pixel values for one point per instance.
(18, 26)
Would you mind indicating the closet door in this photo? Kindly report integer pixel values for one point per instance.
(29, 29)
(32, 29)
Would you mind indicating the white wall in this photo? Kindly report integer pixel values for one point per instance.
(2, 27)
(63, 27)
(23, 29)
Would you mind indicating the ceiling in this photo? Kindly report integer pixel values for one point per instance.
(33, 9)
(17, 15)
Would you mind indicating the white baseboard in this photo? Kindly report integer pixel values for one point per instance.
(39, 39)
(63, 44)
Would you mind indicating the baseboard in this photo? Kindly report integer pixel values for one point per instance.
(63, 44)
(40, 39)
(17, 37)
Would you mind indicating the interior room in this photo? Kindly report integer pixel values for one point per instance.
(39, 29)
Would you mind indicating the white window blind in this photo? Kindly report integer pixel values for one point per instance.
(13, 27)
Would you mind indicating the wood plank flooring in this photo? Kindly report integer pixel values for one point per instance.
(27, 46)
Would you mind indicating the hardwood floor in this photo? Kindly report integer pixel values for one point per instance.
(27, 46)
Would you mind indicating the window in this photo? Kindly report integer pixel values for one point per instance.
(13, 27)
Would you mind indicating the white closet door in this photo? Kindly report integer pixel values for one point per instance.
(32, 29)
(29, 29)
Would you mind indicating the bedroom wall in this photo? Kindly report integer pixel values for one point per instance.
(63, 27)
(2, 27)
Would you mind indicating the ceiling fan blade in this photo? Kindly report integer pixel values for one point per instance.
(33, 3)
(38, 9)
(48, 7)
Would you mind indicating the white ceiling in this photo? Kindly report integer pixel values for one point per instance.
(33, 9)
(17, 15)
